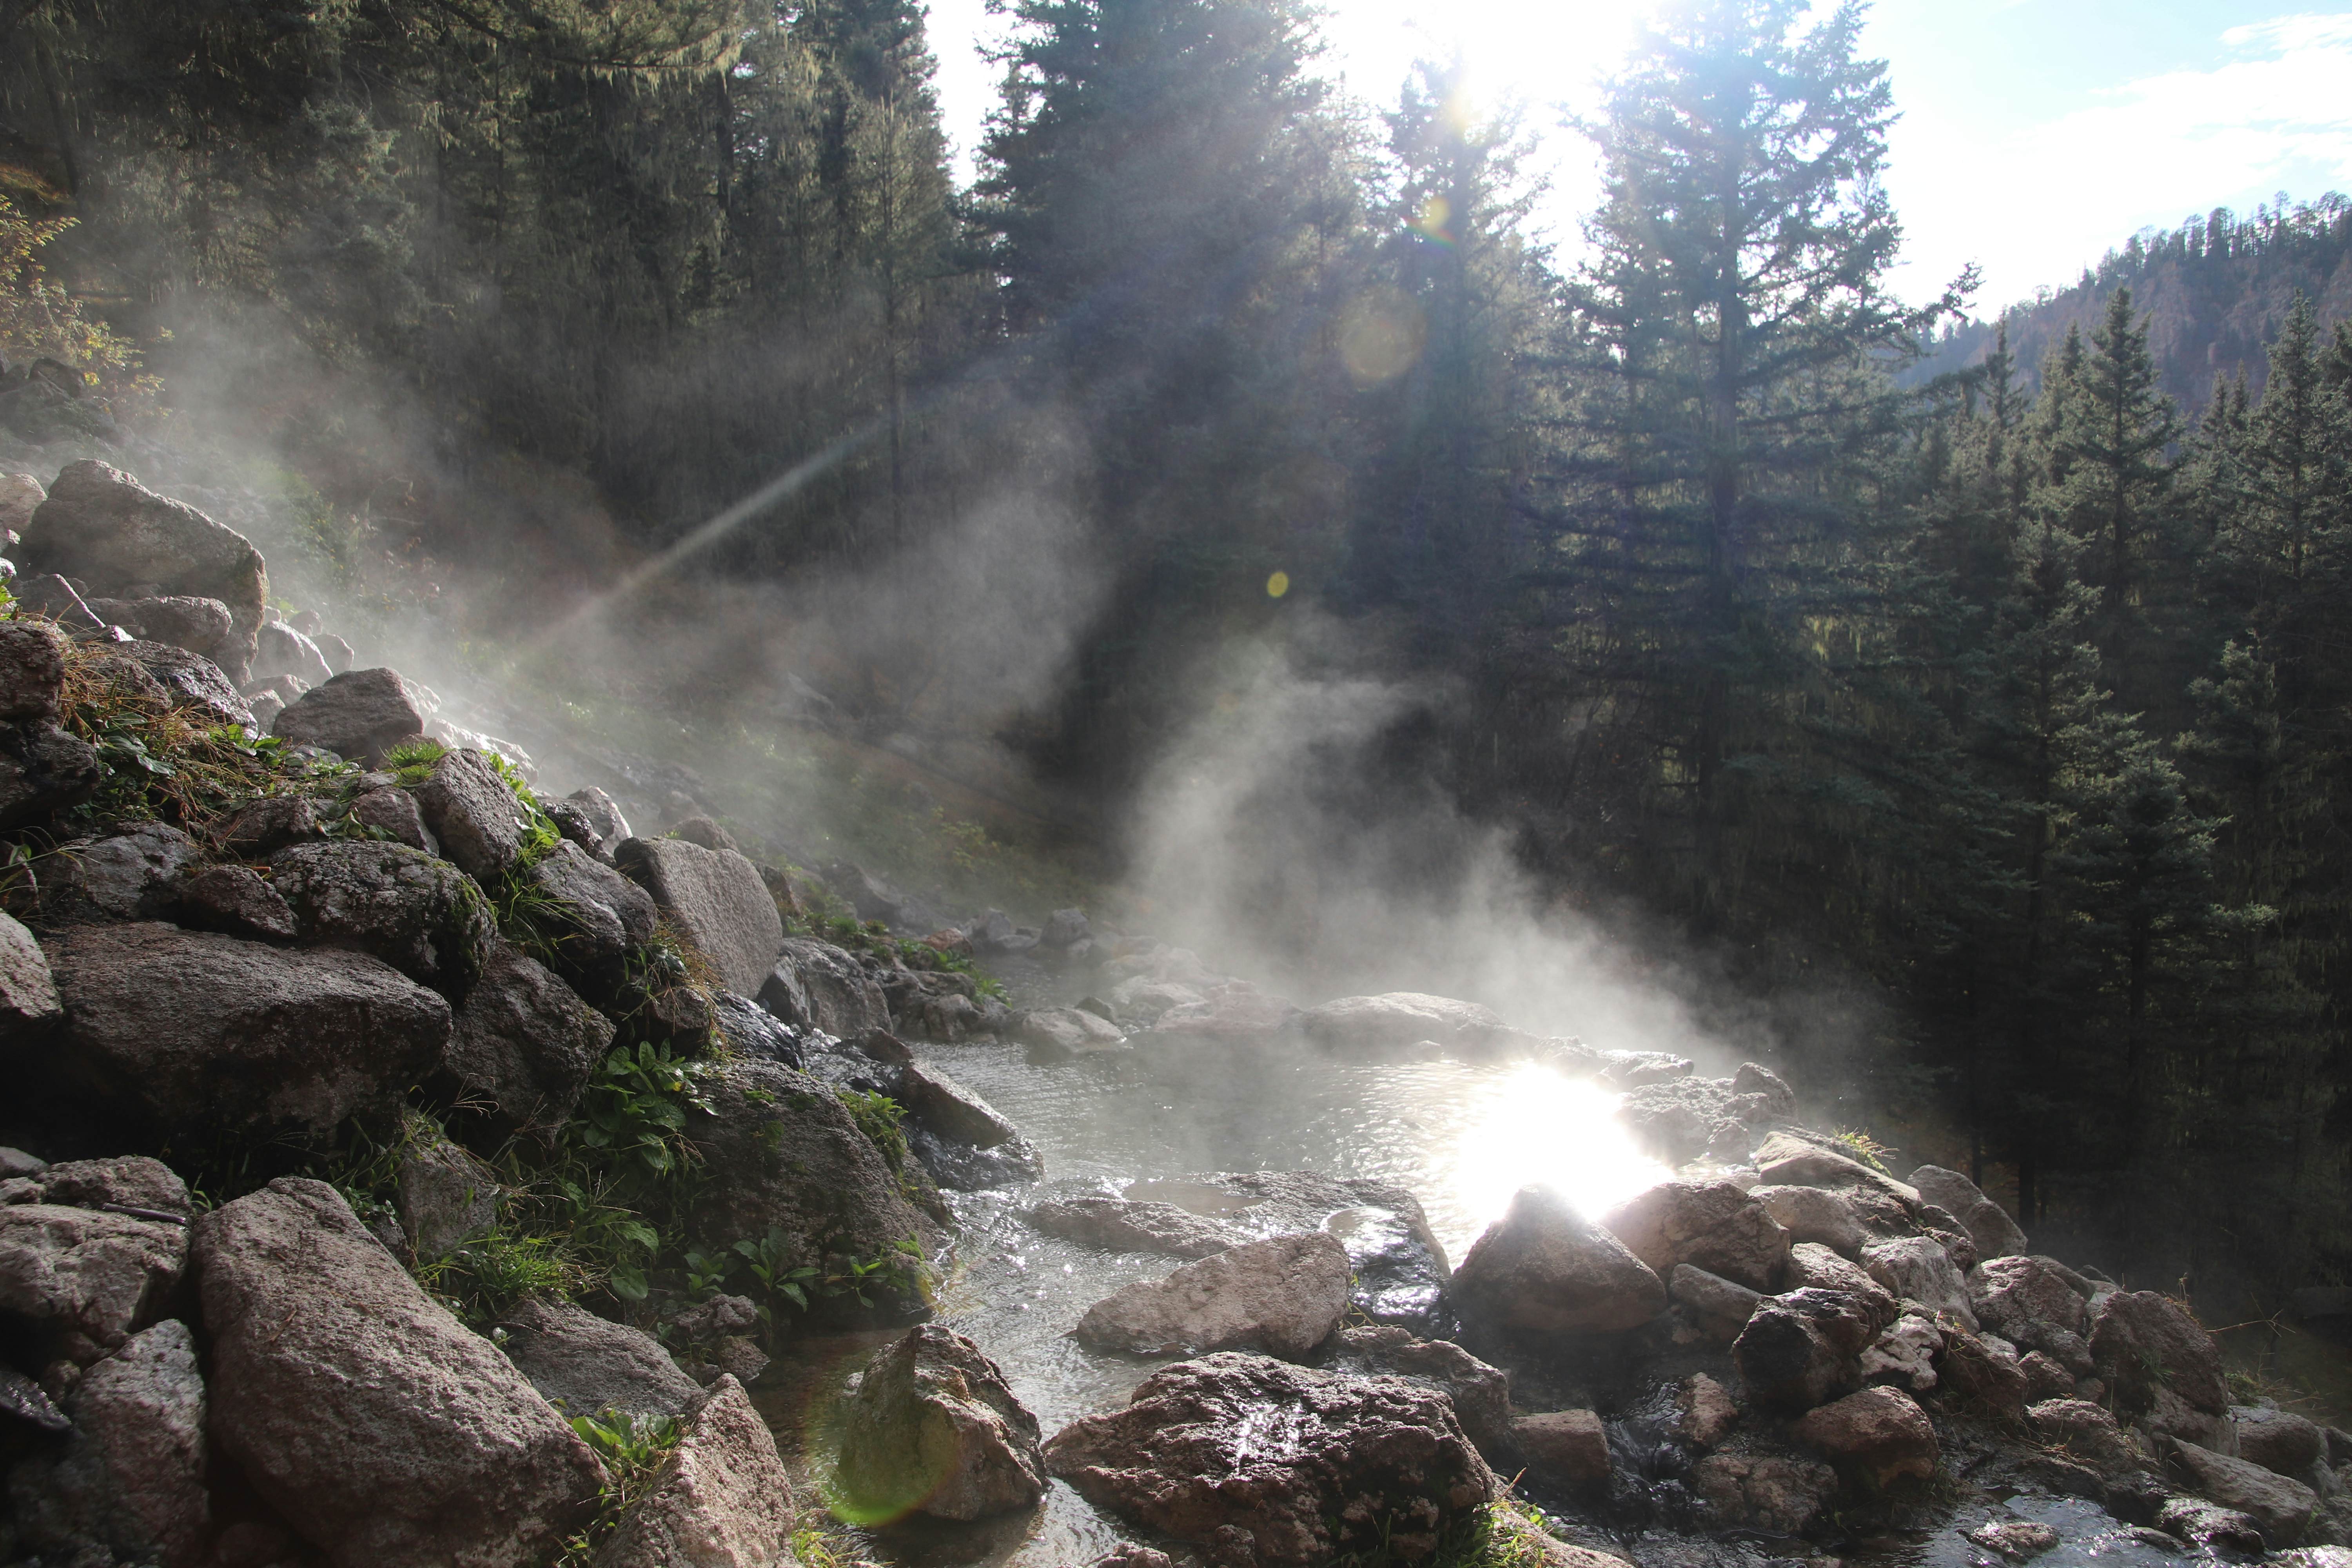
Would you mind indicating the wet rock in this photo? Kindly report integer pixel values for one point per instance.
(2029, 1304)
(394, 812)
(1684, 1117)
(1710, 1226)
(715, 900)
(1917, 1269)
(719, 1316)
(235, 901)
(259, 829)
(2281, 1505)
(950, 1109)
(105, 529)
(1804, 1349)
(1234, 1014)
(181, 1034)
(2044, 1378)
(202, 627)
(32, 671)
(780, 1153)
(584, 1364)
(604, 816)
(1401, 1273)
(598, 917)
(2014, 1539)
(132, 1477)
(86, 1272)
(43, 771)
(932, 1428)
(445, 1197)
(2084, 1431)
(1363, 1463)
(2210, 1526)
(28, 994)
(1481, 1395)
(1816, 1214)
(524, 1044)
(2142, 1342)
(1984, 1377)
(1763, 1492)
(193, 684)
(1400, 1020)
(130, 1180)
(1544, 1267)
(357, 715)
(1565, 1448)
(1058, 1033)
(722, 1501)
(132, 875)
(1879, 1434)
(1281, 1296)
(1703, 1411)
(1720, 1306)
(475, 817)
(1120, 1224)
(816, 985)
(2278, 1440)
(370, 1419)
(1904, 1353)
(420, 915)
(751, 1030)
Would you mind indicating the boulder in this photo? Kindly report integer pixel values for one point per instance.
(1804, 1349)
(1917, 1269)
(1565, 1448)
(445, 1197)
(816, 985)
(1816, 1214)
(2029, 1303)
(2280, 1504)
(28, 994)
(105, 529)
(1682, 1118)
(2217, 1530)
(1058, 1033)
(1763, 1492)
(1400, 1273)
(280, 649)
(133, 1476)
(2142, 1342)
(1786, 1159)
(1904, 1353)
(129, 1181)
(236, 902)
(1878, 1433)
(1813, 1266)
(1121, 1224)
(948, 1108)
(373, 1422)
(43, 771)
(358, 715)
(596, 917)
(1398, 1021)
(1281, 1296)
(32, 671)
(715, 900)
(192, 682)
(604, 818)
(1544, 1267)
(1987, 1223)
(1721, 1306)
(2015, 1540)
(1710, 1226)
(393, 812)
(1234, 1014)
(1703, 1411)
(932, 1428)
(2084, 1431)
(260, 827)
(88, 1272)
(584, 1364)
(1984, 1376)
(1363, 1464)
(2278, 1440)
(202, 627)
(524, 1044)
(723, 1500)
(1481, 1395)
(134, 876)
(20, 496)
(751, 1030)
(780, 1153)
(477, 819)
(186, 1035)
(420, 915)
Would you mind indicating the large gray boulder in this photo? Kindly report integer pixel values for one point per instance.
(478, 821)
(1988, 1223)
(2029, 1303)
(138, 875)
(1364, 1465)
(781, 1152)
(1804, 1349)
(815, 985)
(932, 1428)
(32, 671)
(722, 1501)
(1711, 1226)
(584, 1364)
(28, 994)
(1878, 1433)
(1398, 1021)
(601, 917)
(524, 1044)
(717, 900)
(1281, 1296)
(1481, 1393)
(444, 1197)
(43, 769)
(192, 682)
(1918, 1269)
(1544, 1267)
(132, 1477)
(106, 530)
(202, 627)
(188, 1034)
(2144, 1344)
(1059, 1034)
(2282, 1505)
(280, 649)
(87, 1274)
(1814, 1215)
(420, 915)
(376, 1424)
(357, 715)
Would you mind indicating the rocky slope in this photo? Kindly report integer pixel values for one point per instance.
(409, 1165)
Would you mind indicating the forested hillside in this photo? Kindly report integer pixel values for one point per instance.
(2010, 697)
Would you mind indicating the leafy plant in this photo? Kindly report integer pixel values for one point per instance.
(634, 1449)
(770, 1257)
(637, 1103)
(410, 761)
(877, 1116)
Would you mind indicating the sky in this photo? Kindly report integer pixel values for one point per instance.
(2036, 134)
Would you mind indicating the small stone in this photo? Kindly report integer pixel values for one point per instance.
(1703, 1411)
(1566, 1447)
(1120, 1224)
(473, 814)
(394, 812)
(584, 1364)
(2015, 1538)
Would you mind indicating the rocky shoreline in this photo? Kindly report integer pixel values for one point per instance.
(408, 1164)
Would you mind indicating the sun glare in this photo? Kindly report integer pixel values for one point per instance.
(1535, 1126)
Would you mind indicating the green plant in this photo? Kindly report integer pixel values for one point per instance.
(877, 1116)
(1860, 1146)
(706, 1273)
(410, 761)
(770, 1257)
(634, 1449)
(637, 1103)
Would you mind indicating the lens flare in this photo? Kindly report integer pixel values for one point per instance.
(1277, 586)
(1381, 335)
(1535, 1126)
